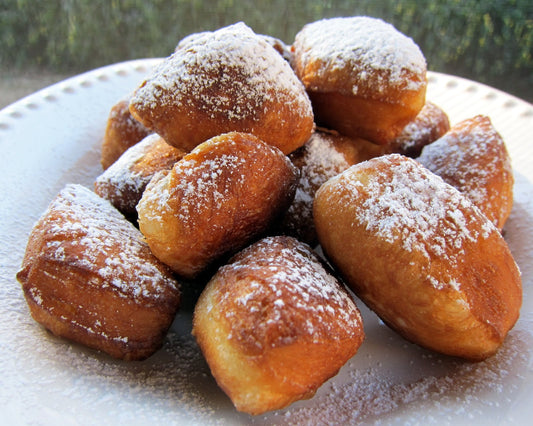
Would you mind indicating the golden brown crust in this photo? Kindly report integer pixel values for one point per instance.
(273, 325)
(364, 78)
(123, 183)
(227, 80)
(219, 197)
(356, 117)
(473, 158)
(420, 255)
(122, 131)
(88, 276)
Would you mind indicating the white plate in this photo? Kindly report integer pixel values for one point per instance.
(52, 138)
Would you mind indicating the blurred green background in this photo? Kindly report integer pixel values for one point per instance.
(487, 41)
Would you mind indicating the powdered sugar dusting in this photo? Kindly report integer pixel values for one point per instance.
(120, 117)
(370, 397)
(120, 179)
(290, 290)
(470, 157)
(206, 191)
(228, 73)
(412, 209)
(322, 161)
(156, 194)
(430, 124)
(363, 43)
(124, 182)
(89, 225)
(208, 186)
(406, 204)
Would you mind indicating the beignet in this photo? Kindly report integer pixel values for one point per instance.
(473, 158)
(216, 200)
(88, 276)
(223, 81)
(364, 78)
(421, 255)
(274, 325)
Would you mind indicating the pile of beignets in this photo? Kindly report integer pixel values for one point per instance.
(234, 159)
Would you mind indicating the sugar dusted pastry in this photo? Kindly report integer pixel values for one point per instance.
(364, 78)
(217, 199)
(274, 325)
(123, 183)
(88, 276)
(222, 81)
(472, 157)
(421, 255)
(122, 131)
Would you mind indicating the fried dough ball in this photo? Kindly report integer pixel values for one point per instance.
(122, 131)
(217, 199)
(364, 78)
(223, 81)
(88, 276)
(123, 183)
(472, 157)
(274, 325)
(421, 255)
(323, 156)
(430, 124)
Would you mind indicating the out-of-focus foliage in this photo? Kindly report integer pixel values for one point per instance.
(489, 41)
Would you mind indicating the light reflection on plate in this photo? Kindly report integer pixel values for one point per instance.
(53, 137)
